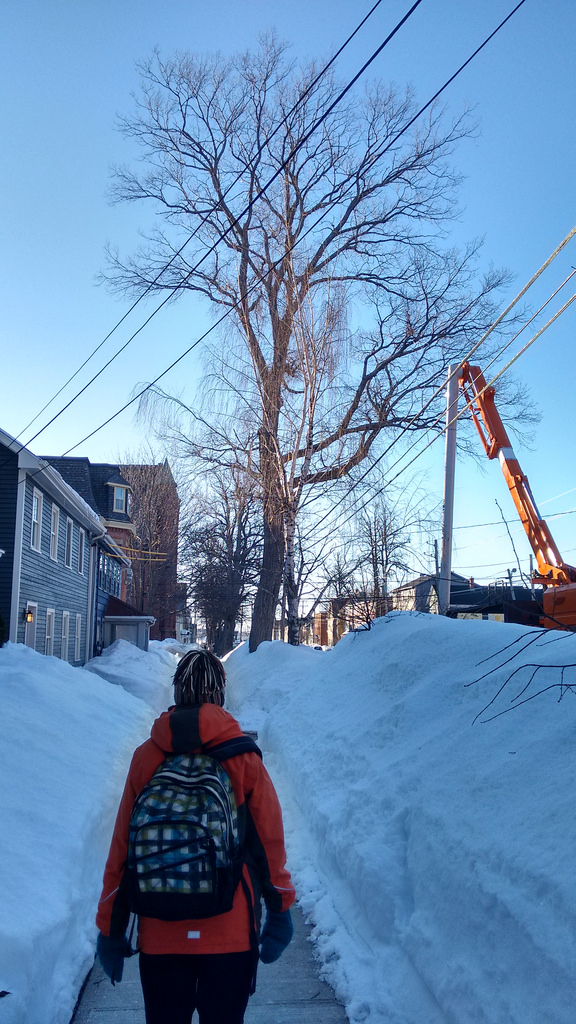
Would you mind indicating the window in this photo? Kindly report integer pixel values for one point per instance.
(36, 531)
(49, 640)
(65, 635)
(109, 575)
(81, 545)
(68, 552)
(119, 499)
(77, 638)
(54, 533)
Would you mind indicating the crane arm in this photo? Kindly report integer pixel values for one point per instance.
(552, 571)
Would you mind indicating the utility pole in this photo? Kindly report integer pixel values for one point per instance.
(448, 503)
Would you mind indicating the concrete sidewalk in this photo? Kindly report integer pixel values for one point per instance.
(288, 992)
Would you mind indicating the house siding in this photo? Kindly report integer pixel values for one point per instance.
(49, 583)
(8, 496)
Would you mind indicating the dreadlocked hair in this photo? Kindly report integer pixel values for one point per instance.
(199, 679)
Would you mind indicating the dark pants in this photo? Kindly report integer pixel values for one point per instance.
(216, 985)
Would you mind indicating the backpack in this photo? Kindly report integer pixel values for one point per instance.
(184, 846)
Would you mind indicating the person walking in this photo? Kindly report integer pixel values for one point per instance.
(202, 963)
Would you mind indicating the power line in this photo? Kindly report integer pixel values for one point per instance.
(531, 320)
(222, 236)
(193, 233)
(373, 494)
(235, 222)
(512, 522)
(441, 388)
(488, 385)
(468, 405)
(393, 142)
(467, 358)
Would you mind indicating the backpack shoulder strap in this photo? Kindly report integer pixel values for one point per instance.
(230, 748)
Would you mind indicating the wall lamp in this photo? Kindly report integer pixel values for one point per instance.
(28, 615)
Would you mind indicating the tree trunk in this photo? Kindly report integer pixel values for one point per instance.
(224, 638)
(290, 578)
(266, 598)
(293, 620)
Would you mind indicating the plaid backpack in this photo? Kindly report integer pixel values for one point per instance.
(184, 846)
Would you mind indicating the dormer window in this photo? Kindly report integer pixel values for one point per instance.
(120, 499)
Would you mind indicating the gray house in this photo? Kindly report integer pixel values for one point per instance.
(59, 566)
(49, 535)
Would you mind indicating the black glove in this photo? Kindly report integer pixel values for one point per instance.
(276, 935)
(111, 952)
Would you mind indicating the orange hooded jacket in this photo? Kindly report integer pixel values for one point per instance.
(183, 730)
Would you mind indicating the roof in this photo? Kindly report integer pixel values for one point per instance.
(457, 583)
(103, 475)
(91, 480)
(76, 472)
(54, 483)
(115, 608)
(489, 597)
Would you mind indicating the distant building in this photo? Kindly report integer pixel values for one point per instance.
(155, 514)
(469, 600)
(421, 594)
(340, 615)
(500, 600)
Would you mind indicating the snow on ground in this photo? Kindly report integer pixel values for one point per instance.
(432, 849)
(434, 856)
(66, 739)
(138, 671)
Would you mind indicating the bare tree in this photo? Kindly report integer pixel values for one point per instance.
(342, 585)
(306, 576)
(384, 536)
(220, 555)
(288, 229)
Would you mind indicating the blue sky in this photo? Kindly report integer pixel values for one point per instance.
(67, 70)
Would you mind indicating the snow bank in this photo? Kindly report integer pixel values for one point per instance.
(432, 849)
(434, 856)
(145, 674)
(66, 738)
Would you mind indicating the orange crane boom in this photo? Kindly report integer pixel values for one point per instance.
(552, 572)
